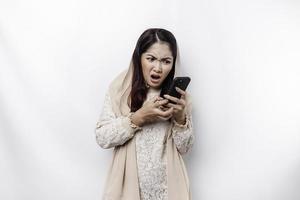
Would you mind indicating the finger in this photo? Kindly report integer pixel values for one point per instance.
(175, 106)
(165, 118)
(166, 106)
(161, 102)
(160, 98)
(182, 92)
(182, 102)
(174, 99)
(154, 99)
(166, 113)
(157, 99)
(163, 108)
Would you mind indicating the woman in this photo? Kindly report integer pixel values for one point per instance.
(149, 134)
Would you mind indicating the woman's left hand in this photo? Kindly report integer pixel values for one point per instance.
(179, 106)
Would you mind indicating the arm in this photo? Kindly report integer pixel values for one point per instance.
(110, 130)
(183, 135)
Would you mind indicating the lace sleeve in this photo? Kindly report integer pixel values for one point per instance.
(183, 135)
(110, 130)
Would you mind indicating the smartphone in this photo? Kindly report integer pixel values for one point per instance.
(181, 82)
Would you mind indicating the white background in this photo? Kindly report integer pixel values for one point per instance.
(58, 57)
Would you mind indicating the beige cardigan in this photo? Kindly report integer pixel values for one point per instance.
(122, 179)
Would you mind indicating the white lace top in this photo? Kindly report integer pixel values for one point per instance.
(150, 149)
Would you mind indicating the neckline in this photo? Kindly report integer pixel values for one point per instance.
(154, 90)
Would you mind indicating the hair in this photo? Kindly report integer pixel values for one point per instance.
(150, 36)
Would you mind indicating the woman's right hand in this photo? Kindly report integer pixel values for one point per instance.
(152, 111)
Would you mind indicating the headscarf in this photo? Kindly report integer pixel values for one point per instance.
(122, 179)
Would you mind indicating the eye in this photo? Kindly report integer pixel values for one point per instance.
(167, 62)
(151, 59)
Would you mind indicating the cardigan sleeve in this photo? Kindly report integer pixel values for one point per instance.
(183, 135)
(110, 130)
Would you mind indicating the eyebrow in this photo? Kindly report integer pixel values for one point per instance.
(149, 54)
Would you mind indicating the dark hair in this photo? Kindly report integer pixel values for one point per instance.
(149, 37)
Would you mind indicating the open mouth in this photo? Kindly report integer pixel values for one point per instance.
(155, 77)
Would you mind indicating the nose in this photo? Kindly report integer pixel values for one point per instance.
(157, 67)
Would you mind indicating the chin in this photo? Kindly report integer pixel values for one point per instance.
(156, 86)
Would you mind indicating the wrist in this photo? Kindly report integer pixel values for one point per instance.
(137, 119)
(180, 120)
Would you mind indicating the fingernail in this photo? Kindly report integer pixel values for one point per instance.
(165, 95)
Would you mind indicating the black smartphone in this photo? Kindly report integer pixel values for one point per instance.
(181, 82)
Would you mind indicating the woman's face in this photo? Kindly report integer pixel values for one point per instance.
(157, 62)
